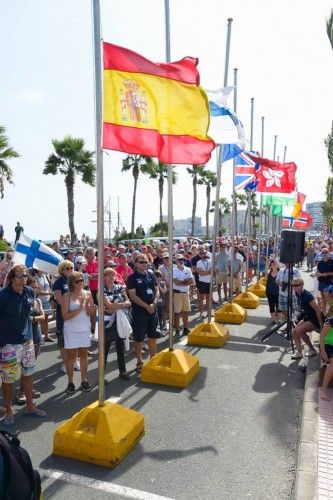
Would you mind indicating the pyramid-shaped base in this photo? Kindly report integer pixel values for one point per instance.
(101, 435)
(248, 300)
(263, 280)
(177, 368)
(230, 313)
(208, 334)
(258, 289)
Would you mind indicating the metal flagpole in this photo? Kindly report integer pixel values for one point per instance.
(219, 160)
(273, 217)
(284, 154)
(260, 209)
(99, 194)
(233, 203)
(249, 207)
(170, 197)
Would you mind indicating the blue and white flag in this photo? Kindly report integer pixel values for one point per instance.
(225, 127)
(33, 253)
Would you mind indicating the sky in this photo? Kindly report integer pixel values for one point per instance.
(284, 61)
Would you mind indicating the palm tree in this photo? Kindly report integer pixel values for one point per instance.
(136, 163)
(329, 28)
(209, 180)
(6, 153)
(71, 159)
(328, 204)
(329, 145)
(197, 171)
(158, 170)
(224, 209)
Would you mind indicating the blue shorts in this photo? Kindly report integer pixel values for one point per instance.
(329, 350)
(144, 324)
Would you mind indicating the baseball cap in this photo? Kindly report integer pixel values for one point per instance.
(165, 255)
(180, 256)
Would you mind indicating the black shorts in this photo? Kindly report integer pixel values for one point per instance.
(60, 338)
(329, 350)
(204, 288)
(144, 324)
(273, 302)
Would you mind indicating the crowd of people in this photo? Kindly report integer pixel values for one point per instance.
(136, 303)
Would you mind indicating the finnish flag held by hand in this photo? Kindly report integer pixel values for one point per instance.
(33, 253)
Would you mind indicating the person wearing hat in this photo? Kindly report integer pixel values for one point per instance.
(182, 279)
(311, 319)
(204, 269)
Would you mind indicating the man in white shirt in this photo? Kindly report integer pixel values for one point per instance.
(182, 279)
(203, 268)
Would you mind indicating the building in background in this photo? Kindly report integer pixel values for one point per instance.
(315, 209)
(182, 227)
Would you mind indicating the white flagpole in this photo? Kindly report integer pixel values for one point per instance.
(219, 160)
(99, 193)
(260, 210)
(249, 207)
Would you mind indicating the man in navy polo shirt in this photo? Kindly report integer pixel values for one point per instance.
(17, 352)
(143, 291)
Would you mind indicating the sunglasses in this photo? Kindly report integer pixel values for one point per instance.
(80, 280)
(21, 276)
(69, 268)
(142, 262)
(180, 260)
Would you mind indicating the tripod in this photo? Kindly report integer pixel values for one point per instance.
(289, 320)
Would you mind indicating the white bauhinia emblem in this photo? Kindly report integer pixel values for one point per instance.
(273, 177)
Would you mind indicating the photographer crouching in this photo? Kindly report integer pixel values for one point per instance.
(310, 319)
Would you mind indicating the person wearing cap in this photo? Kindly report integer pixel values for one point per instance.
(221, 269)
(237, 269)
(123, 268)
(311, 319)
(325, 276)
(204, 268)
(182, 279)
(282, 281)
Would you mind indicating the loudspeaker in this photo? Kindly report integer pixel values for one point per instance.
(292, 246)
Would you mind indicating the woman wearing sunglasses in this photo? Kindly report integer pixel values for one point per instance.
(77, 308)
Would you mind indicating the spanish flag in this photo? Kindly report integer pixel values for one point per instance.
(154, 109)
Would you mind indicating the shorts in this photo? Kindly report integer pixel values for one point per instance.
(60, 338)
(329, 350)
(47, 307)
(283, 302)
(273, 302)
(322, 285)
(181, 302)
(144, 324)
(203, 287)
(221, 277)
(237, 283)
(16, 359)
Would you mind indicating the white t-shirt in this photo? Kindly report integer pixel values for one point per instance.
(205, 265)
(182, 274)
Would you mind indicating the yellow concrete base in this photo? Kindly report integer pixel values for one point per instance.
(263, 280)
(101, 435)
(177, 368)
(248, 300)
(208, 334)
(258, 289)
(230, 313)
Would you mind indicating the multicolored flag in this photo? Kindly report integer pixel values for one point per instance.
(298, 205)
(303, 222)
(155, 109)
(273, 176)
(245, 171)
(225, 126)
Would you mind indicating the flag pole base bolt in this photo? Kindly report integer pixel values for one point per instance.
(209, 335)
(258, 289)
(231, 313)
(101, 435)
(248, 300)
(176, 368)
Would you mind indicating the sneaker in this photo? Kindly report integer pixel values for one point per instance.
(186, 331)
(63, 368)
(297, 355)
(70, 388)
(177, 334)
(77, 365)
(310, 353)
(124, 375)
(85, 386)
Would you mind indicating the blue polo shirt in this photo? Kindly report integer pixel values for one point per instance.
(144, 285)
(15, 315)
(60, 284)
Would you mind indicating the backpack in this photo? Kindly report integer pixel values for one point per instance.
(18, 479)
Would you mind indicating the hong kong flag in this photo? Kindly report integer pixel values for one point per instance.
(273, 176)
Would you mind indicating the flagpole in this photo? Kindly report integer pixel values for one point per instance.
(99, 194)
(219, 160)
(260, 209)
(233, 203)
(249, 206)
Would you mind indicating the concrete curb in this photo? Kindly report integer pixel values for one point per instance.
(306, 479)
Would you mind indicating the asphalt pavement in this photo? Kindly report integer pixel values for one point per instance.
(231, 434)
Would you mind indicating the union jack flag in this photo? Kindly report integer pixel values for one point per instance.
(245, 171)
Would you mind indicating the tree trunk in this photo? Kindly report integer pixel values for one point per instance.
(135, 175)
(194, 206)
(160, 190)
(69, 181)
(208, 188)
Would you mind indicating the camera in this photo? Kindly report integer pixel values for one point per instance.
(284, 286)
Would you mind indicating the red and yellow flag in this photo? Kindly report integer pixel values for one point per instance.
(154, 109)
(298, 206)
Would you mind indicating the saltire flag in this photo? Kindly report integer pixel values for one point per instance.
(33, 253)
(154, 109)
(273, 176)
(298, 205)
(225, 127)
(245, 172)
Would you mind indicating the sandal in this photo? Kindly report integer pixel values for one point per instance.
(35, 413)
(139, 366)
(7, 420)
